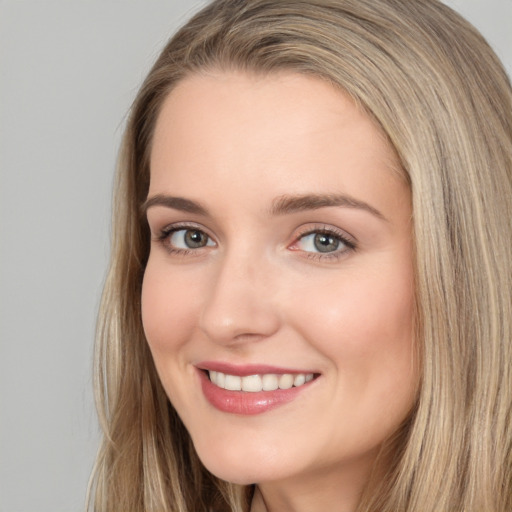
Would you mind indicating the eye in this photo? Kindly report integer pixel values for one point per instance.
(319, 242)
(323, 243)
(185, 239)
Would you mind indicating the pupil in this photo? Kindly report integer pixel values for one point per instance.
(326, 243)
(195, 239)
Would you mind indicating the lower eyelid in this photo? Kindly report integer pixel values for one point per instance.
(319, 256)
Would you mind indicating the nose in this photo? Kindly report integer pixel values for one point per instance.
(240, 307)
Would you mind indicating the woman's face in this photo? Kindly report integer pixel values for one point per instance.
(280, 256)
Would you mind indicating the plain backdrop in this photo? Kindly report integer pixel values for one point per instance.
(69, 70)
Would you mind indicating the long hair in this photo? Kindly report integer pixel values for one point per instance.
(440, 94)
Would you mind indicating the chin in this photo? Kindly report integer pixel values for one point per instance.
(243, 467)
(236, 472)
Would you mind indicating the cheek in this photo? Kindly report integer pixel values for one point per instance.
(169, 311)
(363, 310)
(169, 304)
(365, 330)
(363, 323)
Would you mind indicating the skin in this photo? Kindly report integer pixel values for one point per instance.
(259, 292)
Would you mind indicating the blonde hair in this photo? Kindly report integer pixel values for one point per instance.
(443, 99)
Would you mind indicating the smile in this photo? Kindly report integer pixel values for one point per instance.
(257, 383)
(251, 389)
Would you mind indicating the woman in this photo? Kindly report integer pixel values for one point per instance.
(309, 306)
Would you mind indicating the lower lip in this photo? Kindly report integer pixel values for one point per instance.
(245, 402)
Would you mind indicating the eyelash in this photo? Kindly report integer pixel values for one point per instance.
(350, 245)
(344, 239)
(165, 234)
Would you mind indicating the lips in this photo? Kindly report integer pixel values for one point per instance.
(251, 389)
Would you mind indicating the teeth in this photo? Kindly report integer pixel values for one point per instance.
(220, 380)
(270, 382)
(233, 383)
(252, 383)
(255, 383)
(299, 380)
(285, 381)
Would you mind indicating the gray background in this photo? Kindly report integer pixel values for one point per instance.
(68, 72)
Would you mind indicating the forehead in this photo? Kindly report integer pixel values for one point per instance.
(280, 132)
(297, 102)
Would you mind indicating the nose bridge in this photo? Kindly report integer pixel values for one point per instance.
(240, 303)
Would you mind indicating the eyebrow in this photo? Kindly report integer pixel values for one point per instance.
(282, 205)
(292, 204)
(177, 203)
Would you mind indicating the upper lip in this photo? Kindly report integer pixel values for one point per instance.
(243, 370)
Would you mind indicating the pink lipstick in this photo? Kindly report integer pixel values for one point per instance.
(251, 389)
